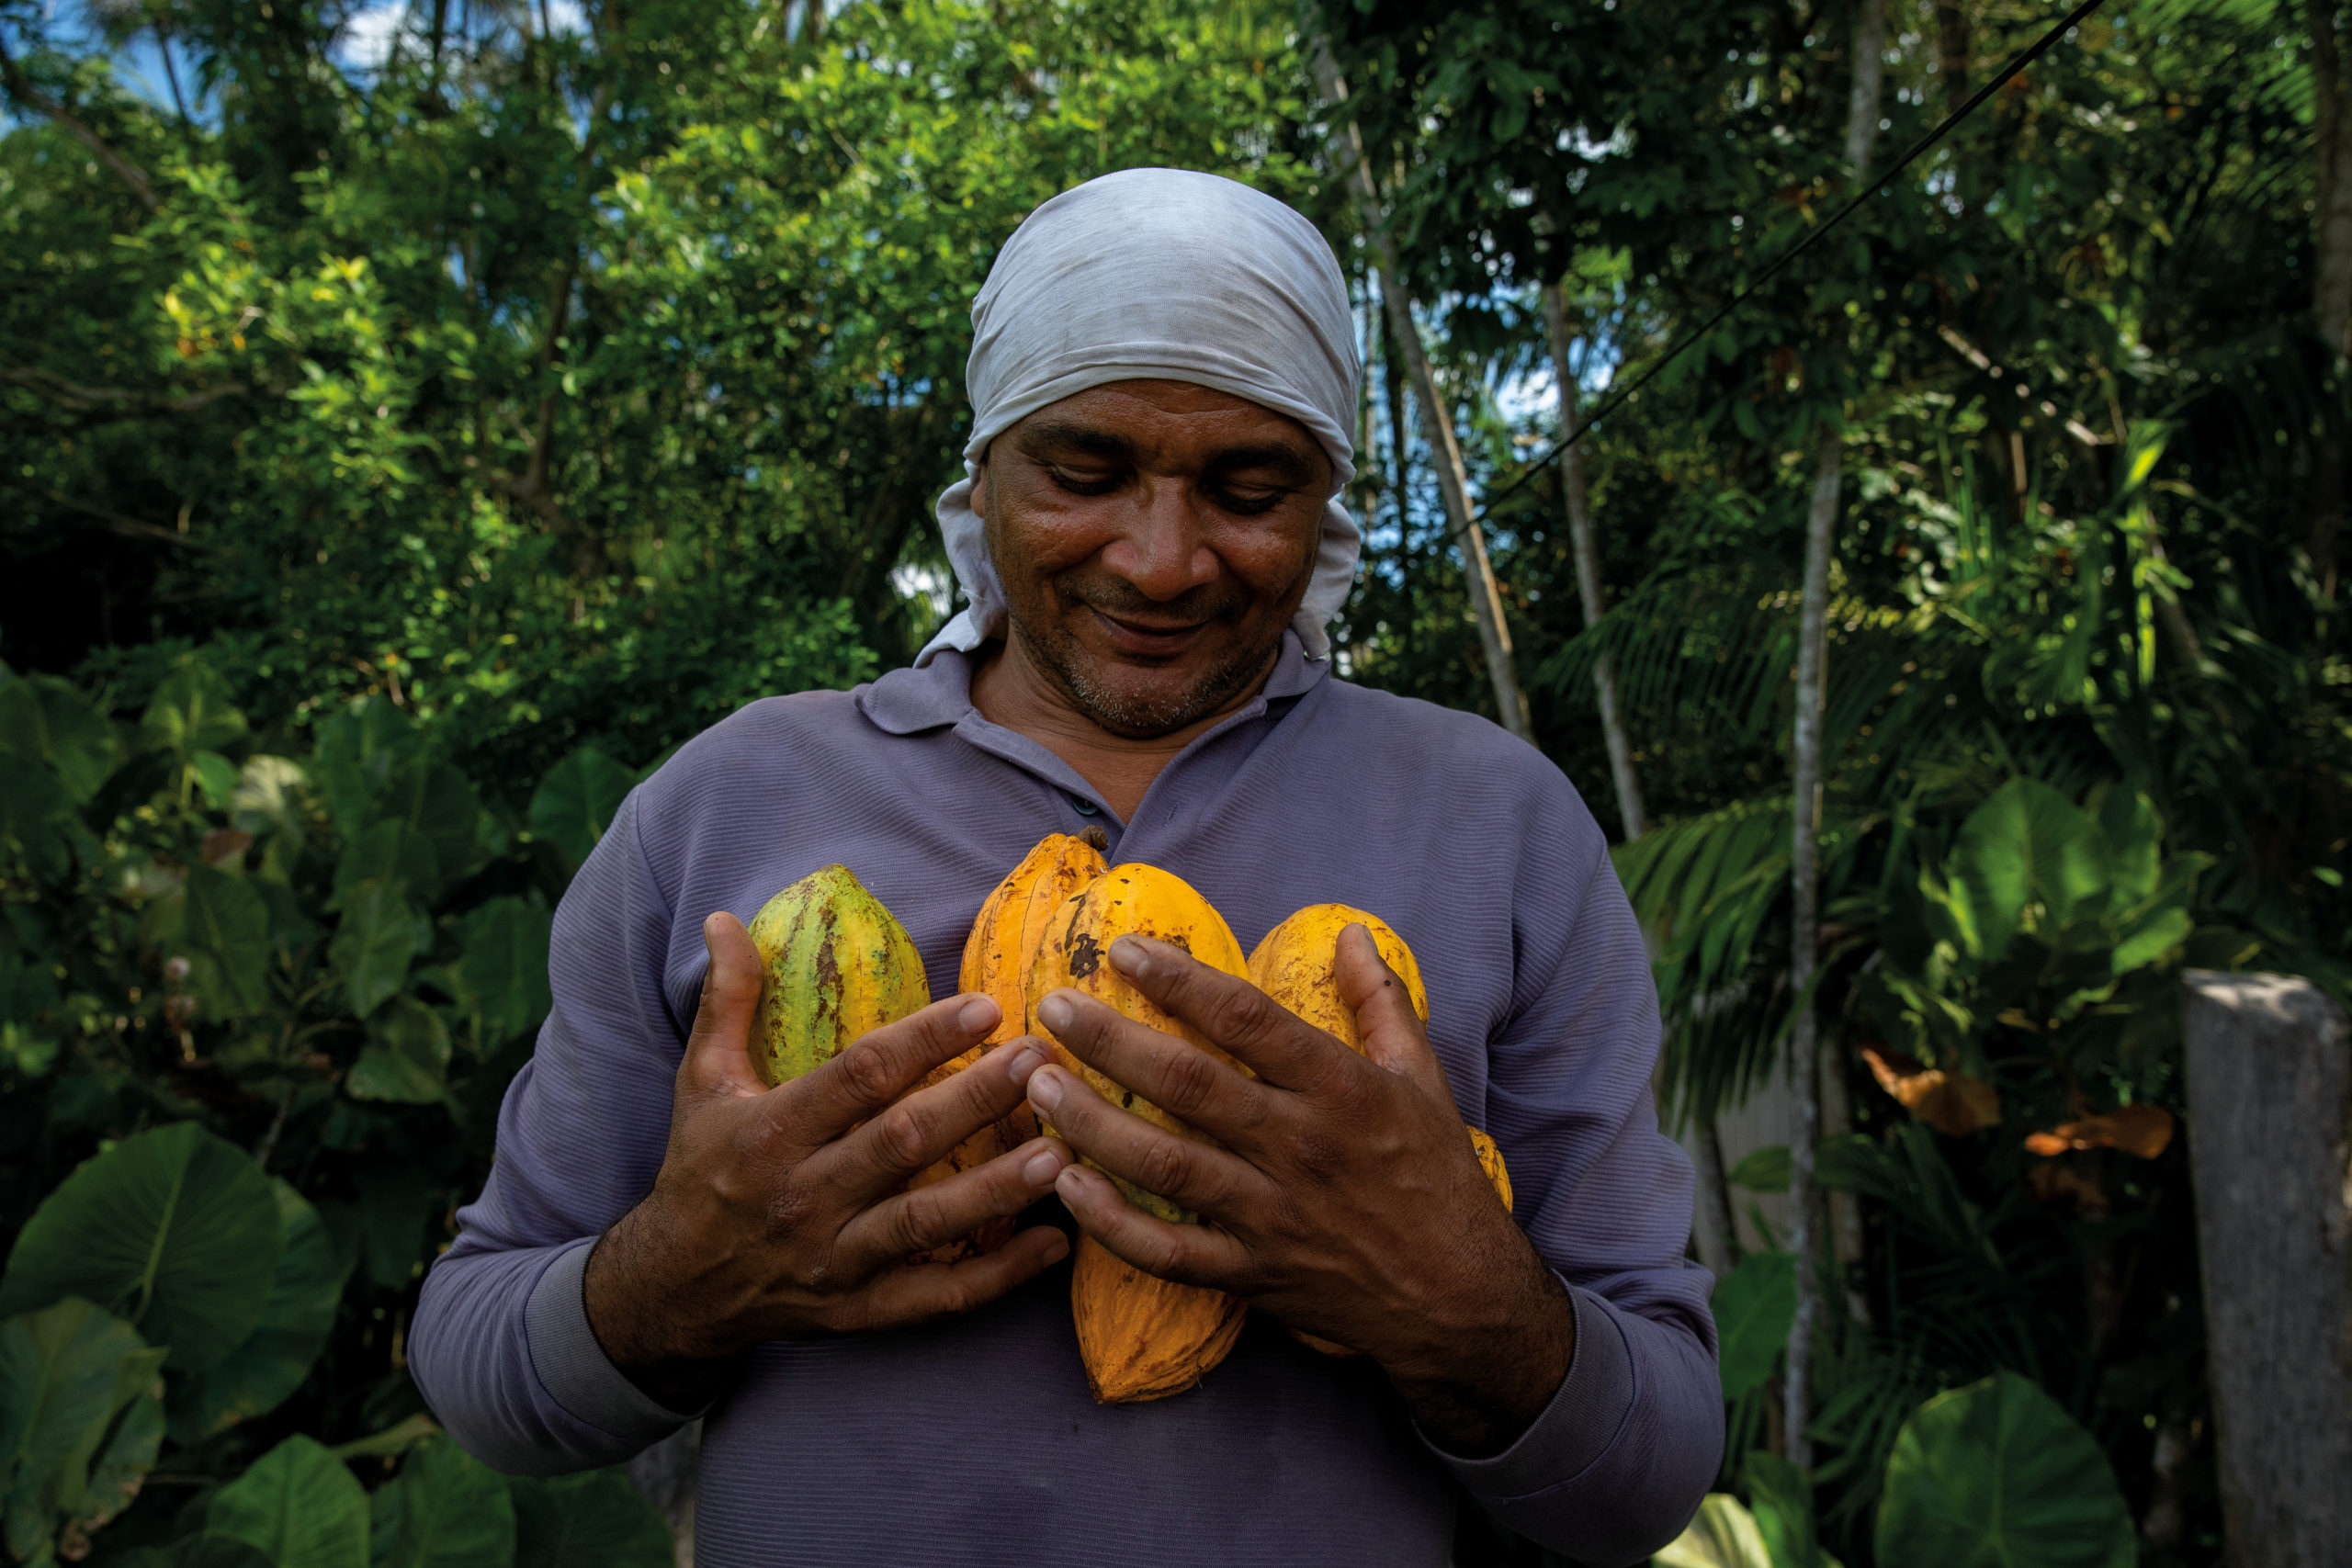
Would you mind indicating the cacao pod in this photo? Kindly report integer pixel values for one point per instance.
(996, 965)
(834, 963)
(1141, 1337)
(1297, 966)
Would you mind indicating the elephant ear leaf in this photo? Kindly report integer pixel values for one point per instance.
(80, 1421)
(295, 1322)
(298, 1504)
(174, 1229)
(446, 1510)
(575, 803)
(596, 1520)
(1998, 1472)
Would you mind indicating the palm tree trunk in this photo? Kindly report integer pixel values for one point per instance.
(1805, 778)
(1589, 589)
(1453, 481)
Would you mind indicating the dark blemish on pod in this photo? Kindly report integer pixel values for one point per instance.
(1085, 955)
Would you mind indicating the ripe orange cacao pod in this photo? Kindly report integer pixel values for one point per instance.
(1297, 966)
(996, 958)
(1141, 1337)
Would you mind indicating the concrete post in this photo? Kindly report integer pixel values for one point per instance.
(2269, 1069)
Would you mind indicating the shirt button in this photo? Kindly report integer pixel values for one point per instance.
(1084, 806)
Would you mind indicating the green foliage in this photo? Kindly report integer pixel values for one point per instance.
(80, 1419)
(298, 1505)
(1754, 1305)
(1997, 1475)
(174, 1229)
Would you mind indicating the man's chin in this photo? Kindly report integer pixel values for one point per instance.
(1139, 697)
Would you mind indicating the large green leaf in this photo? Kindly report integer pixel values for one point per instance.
(192, 712)
(225, 925)
(596, 1520)
(406, 1058)
(204, 1550)
(2027, 842)
(299, 1504)
(505, 966)
(172, 1229)
(45, 720)
(1997, 1475)
(1753, 1307)
(1782, 1498)
(446, 1510)
(77, 1427)
(1723, 1535)
(295, 1322)
(574, 803)
(374, 943)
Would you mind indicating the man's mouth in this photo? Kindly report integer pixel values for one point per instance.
(1144, 637)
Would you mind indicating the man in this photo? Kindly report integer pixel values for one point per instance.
(1164, 377)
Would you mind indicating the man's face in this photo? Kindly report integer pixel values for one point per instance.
(1154, 538)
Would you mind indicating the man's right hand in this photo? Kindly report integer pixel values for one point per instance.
(781, 1213)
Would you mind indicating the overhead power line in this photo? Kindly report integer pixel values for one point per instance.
(1618, 398)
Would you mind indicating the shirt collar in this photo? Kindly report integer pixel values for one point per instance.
(906, 702)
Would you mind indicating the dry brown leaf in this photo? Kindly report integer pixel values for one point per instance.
(1952, 1104)
(2142, 1130)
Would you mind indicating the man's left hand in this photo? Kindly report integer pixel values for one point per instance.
(1346, 1198)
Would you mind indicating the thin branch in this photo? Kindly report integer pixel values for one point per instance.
(106, 518)
(116, 402)
(20, 88)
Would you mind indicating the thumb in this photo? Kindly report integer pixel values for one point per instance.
(718, 1052)
(1393, 1037)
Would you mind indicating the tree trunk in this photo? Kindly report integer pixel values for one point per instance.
(1589, 589)
(2269, 1077)
(1454, 482)
(2331, 281)
(1805, 778)
(1952, 52)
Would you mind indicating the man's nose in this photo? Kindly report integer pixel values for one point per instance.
(1160, 550)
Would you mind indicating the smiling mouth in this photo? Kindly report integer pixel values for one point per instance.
(1136, 636)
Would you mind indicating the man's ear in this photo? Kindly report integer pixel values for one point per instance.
(979, 500)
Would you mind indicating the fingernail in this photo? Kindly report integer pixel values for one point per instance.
(978, 1014)
(1054, 1012)
(1044, 1088)
(1026, 1059)
(1069, 1184)
(1042, 1166)
(1129, 956)
(1057, 1249)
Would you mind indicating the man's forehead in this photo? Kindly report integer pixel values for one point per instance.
(1137, 419)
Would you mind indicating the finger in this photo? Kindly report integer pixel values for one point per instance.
(881, 1065)
(917, 1131)
(1393, 1037)
(1189, 1255)
(916, 1292)
(1258, 1032)
(717, 1059)
(1188, 1173)
(941, 1212)
(1174, 1075)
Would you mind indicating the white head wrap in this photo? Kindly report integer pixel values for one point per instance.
(1168, 275)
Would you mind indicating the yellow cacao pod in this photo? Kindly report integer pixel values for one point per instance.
(996, 958)
(834, 963)
(1141, 1337)
(1297, 966)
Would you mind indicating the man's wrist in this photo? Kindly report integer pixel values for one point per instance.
(1477, 1389)
(635, 1321)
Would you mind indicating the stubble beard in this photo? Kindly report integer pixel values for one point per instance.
(1067, 664)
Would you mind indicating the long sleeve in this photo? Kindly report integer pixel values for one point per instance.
(501, 1344)
(1620, 1459)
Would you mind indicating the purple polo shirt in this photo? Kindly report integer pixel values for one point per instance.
(974, 1441)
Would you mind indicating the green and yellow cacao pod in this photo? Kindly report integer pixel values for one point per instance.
(834, 965)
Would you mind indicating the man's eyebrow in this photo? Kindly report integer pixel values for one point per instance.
(1068, 435)
(1288, 462)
